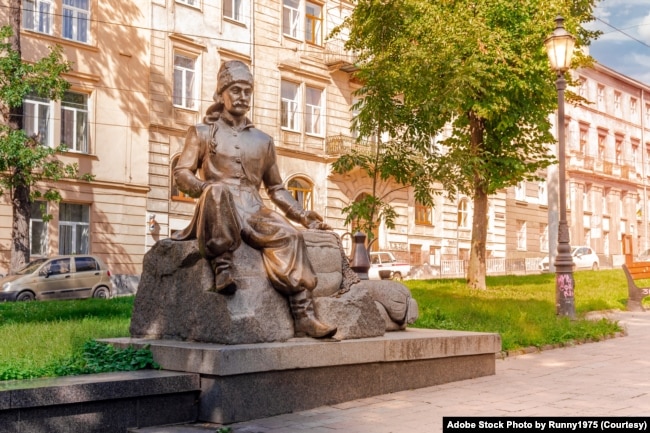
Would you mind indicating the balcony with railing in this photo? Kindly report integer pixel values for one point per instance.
(337, 57)
(600, 166)
(340, 144)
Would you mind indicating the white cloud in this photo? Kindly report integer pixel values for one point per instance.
(644, 29)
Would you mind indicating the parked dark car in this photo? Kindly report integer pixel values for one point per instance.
(61, 277)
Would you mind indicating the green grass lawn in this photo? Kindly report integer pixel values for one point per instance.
(38, 337)
(521, 308)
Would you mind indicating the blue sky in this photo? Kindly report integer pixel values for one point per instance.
(625, 43)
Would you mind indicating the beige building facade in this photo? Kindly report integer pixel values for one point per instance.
(145, 71)
(608, 168)
(103, 120)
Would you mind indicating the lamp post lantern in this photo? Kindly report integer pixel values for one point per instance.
(559, 47)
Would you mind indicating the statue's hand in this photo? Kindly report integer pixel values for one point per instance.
(312, 220)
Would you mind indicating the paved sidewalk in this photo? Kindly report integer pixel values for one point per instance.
(609, 378)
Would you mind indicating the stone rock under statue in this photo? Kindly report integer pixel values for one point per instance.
(241, 272)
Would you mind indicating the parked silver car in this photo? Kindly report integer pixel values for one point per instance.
(61, 277)
(583, 258)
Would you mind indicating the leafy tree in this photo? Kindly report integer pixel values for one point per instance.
(390, 166)
(475, 66)
(24, 162)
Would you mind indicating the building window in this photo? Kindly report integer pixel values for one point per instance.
(38, 229)
(194, 3)
(37, 16)
(75, 19)
(633, 109)
(36, 121)
(184, 77)
(302, 17)
(74, 121)
(542, 193)
(543, 238)
(74, 228)
(601, 97)
(291, 18)
(313, 110)
(290, 101)
(604, 202)
(301, 190)
(463, 214)
(355, 109)
(314, 23)
(635, 154)
(601, 146)
(175, 193)
(233, 9)
(619, 150)
(423, 215)
(586, 199)
(520, 191)
(521, 235)
(584, 136)
(491, 216)
(617, 103)
(583, 89)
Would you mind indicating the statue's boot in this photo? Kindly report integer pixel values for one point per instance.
(304, 316)
(223, 281)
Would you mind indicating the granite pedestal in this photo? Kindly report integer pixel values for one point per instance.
(249, 381)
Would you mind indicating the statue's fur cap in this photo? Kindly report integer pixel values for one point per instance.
(231, 72)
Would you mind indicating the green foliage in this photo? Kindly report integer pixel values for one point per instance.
(446, 63)
(24, 162)
(364, 213)
(521, 308)
(97, 357)
(18, 78)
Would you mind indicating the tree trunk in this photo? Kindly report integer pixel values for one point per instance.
(20, 194)
(476, 267)
(20, 228)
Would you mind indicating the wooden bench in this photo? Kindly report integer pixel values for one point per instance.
(634, 271)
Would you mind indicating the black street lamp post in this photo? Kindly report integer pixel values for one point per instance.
(559, 47)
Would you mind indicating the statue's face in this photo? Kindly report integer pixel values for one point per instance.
(237, 98)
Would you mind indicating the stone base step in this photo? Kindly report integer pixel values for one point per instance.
(99, 403)
(250, 381)
(199, 427)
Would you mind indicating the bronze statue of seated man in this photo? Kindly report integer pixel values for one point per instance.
(234, 158)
